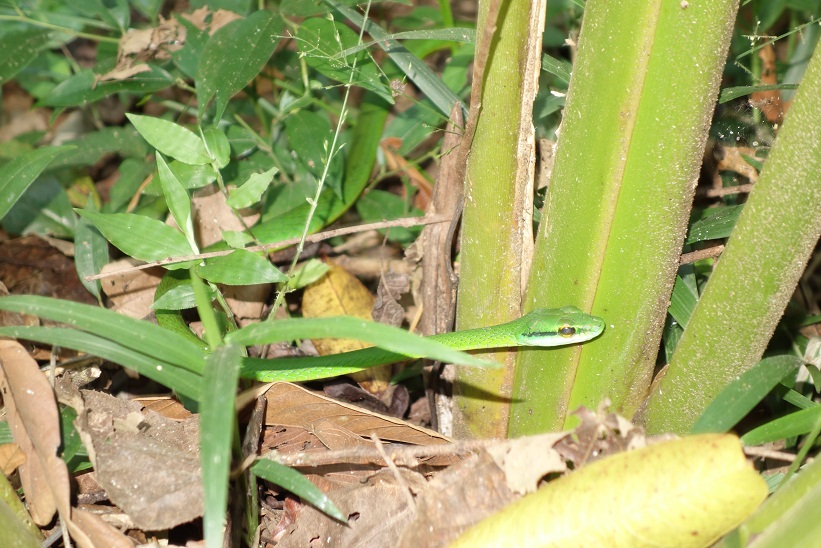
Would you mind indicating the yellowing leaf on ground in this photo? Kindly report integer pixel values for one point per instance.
(338, 293)
(685, 492)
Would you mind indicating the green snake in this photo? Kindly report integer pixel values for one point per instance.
(543, 327)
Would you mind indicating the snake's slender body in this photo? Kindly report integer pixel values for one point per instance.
(544, 327)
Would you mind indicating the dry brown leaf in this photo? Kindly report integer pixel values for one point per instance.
(333, 436)
(525, 461)
(139, 45)
(381, 509)
(148, 465)
(293, 405)
(131, 292)
(167, 407)
(203, 18)
(769, 102)
(11, 458)
(456, 499)
(35, 426)
(97, 532)
(338, 293)
(212, 215)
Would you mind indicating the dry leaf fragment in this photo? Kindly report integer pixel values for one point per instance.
(35, 426)
(293, 405)
(148, 465)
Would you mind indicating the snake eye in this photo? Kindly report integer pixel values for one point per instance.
(567, 331)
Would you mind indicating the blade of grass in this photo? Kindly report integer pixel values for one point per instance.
(152, 340)
(299, 485)
(740, 396)
(182, 381)
(346, 327)
(217, 419)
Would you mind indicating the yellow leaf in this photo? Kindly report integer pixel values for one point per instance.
(339, 293)
(685, 492)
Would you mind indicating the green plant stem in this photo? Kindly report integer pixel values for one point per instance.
(757, 273)
(618, 203)
(497, 233)
(93, 37)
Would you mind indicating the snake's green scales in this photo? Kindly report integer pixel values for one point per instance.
(543, 327)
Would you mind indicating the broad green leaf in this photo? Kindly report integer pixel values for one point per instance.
(178, 283)
(740, 396)
(140, 237)
(179, 204)
(141, 336)
(171, 139)
(179, 297)
(218, 145)
(379, 205)
(185, 382)
(233, 56)
(18, 49)
(310, 137)
(17, 175)
(702, 485)
(307, 273)
(240, 267)
(217, 414)
(114, 12)
(82, 88)
(792, 425)
(296, 483)
(346, 327)
(91, 147)
(42, 209)
(321, 41)
(251, 191)
(90, 254)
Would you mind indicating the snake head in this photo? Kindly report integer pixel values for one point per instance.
(559, 326)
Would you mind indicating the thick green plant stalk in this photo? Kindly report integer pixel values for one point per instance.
(497, 230)
(644, 85)
(757, 273)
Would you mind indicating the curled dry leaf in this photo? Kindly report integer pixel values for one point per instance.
(35, 427)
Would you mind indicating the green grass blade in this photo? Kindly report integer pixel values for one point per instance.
(415, 68)
(345, 327)
(740, 396)
(144, 337)
(217, 417)
(794, 424)
(299, 485)
(182, 381)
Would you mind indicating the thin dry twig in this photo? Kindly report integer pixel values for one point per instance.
(380, 447)
(724, 191)
(318, 237)
(765, 453)
(706, 253)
